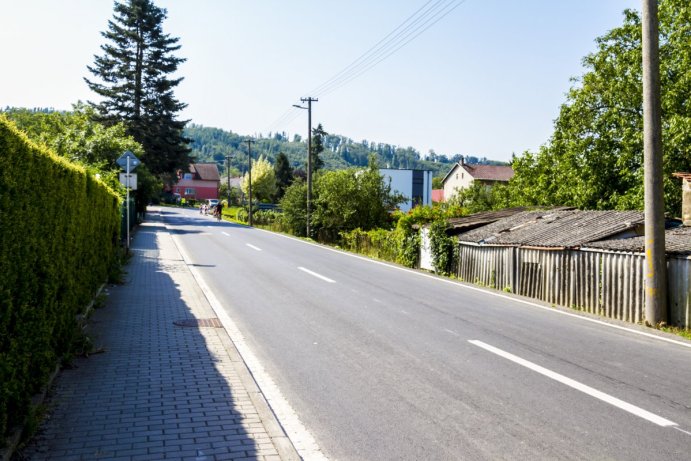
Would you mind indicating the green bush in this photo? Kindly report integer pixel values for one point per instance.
(59, 233)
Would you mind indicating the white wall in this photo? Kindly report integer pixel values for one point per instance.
(458, 179)
(402, 182)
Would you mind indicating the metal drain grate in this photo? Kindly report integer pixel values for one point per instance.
(199, 323)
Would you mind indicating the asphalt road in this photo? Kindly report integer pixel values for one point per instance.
(384, 363)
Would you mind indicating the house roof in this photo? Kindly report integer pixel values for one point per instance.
(677, 240)
(555, 228)
(205, 171)
(490, 172)
(484, 172)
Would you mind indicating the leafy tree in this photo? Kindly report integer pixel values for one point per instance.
(437, 182)
(283, 173)
(349, 199)
(481, 197)
(263, 180)
(294, 206)
(318, 134)
(77, 137)
(594, 159)
(133, 80)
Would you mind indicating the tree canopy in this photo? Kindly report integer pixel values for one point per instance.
(133, 80)
(78, 137)
(594, 159)
(263, 180)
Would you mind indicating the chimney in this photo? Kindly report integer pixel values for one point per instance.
(685, 197)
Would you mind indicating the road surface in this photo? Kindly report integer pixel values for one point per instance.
(379, 362)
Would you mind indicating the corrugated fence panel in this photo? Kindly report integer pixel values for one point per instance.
(604, 283)
(679, 281)
(489, 266)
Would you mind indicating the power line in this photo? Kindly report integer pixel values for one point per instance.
(414, 25)
(374, 47)
(391, 48)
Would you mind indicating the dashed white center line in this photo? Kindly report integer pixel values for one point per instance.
(253, 247)
(314, 274)
(451, 332)
(641, 413)
(225, 233)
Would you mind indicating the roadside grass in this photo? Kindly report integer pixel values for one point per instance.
(683, 332)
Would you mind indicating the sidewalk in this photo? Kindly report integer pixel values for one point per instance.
(167, 386)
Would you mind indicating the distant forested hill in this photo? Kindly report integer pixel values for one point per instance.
(213, 145)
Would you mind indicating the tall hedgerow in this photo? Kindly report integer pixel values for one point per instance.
(59, 233)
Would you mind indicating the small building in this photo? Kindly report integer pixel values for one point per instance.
(463, 175)
(438, 195)
(201, 182)
(415, 185)
(685, 197)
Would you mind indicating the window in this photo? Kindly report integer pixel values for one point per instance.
(188, 176)
(462, 174)
(456, 175)
(189, 191)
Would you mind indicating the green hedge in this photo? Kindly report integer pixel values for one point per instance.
(59, 232)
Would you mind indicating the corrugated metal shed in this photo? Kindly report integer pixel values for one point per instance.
(466, 223)
(677, 241)
(555, 229)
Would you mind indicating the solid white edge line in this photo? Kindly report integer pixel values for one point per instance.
(253, 247)
(299, 435)
(633, 409)
(225, 233)
(468, 287)
(314, 274)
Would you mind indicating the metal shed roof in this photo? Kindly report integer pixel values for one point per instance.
(677, 240)
(555, 229)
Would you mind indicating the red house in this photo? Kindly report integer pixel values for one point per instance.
(200, 183)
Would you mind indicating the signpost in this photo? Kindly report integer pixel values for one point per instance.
(128, 161)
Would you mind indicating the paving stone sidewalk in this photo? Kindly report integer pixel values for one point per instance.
(160, 390)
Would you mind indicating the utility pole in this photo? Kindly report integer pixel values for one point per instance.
(309, 101)
(249, 172)
(228, 174)
(655, 261)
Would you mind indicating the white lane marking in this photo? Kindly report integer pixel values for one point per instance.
(682, 430)
(319, 276)
(482, 290)
(299, 435)
(253, 247)
(225, 233)
(451, 332)
(633, 409)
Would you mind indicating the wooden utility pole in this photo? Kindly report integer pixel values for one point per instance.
(228, 174)
(249, 185)
(655, 261)
(309, 101)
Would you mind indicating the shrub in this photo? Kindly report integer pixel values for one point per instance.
(59, 234)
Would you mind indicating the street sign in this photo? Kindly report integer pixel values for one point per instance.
(129, 180)
(128, 159)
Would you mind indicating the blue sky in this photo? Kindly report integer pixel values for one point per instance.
(486, 80)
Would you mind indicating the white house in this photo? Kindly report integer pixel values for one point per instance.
(462, 175)
(415, 185)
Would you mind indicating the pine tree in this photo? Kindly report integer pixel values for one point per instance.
(135, 84)
(284, 175)
(318, 134)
